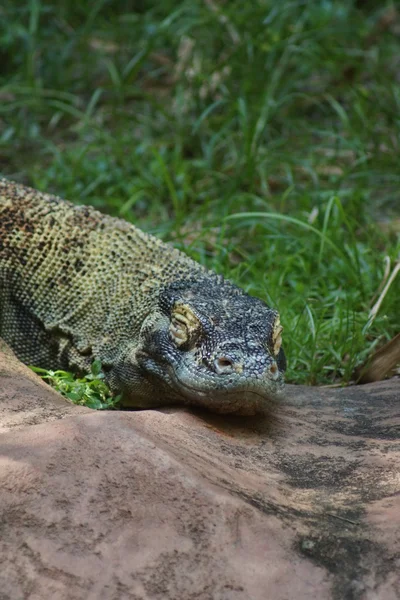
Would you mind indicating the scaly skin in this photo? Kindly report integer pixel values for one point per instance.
(76, 285)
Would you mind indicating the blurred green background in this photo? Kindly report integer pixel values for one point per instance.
(262, 137)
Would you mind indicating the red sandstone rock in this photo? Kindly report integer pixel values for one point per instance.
(185, 505)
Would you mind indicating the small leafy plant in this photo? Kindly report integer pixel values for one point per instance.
(90, 391)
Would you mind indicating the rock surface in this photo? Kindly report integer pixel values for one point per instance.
(180, 505)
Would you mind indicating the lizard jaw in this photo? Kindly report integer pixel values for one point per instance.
(163, 385)
(244, 400)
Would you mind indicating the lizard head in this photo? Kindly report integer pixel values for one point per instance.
(210, 344)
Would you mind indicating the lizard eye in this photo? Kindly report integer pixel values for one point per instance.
(277, 336)
(179, 331)
(185, 326)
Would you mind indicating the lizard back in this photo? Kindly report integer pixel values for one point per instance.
(74, 279)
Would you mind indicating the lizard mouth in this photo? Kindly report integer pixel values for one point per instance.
(241, 397)
(241, 400)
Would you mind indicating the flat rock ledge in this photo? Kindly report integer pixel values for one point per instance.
(180, 505)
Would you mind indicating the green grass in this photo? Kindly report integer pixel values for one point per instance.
(262, 138)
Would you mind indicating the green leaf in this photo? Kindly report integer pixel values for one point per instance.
(96, 367)
(75, 396)
(94, 403)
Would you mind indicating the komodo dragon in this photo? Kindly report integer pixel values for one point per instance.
(77, 285)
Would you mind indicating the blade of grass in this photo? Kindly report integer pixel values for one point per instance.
(294, 221)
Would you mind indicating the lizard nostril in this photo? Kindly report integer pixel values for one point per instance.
(223, 364)
(274, 371)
